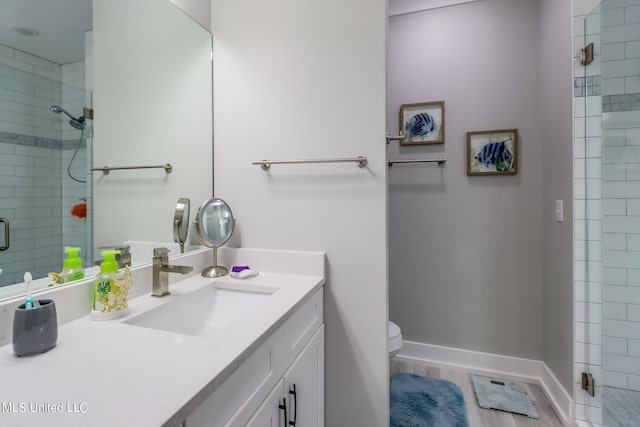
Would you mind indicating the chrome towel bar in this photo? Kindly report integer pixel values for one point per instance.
(394, 138)
(439, 161)
(266, 164)
(106, 169)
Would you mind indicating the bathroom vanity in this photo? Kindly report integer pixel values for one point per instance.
(215, 352)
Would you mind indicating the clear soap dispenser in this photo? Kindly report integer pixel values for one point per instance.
(110, 289)
(72, 266)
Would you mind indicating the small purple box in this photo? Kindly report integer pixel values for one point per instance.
(239, 268)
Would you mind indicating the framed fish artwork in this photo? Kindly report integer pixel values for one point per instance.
(422, 123)
(492, 152)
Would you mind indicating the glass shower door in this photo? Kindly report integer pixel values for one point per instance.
(612, 126)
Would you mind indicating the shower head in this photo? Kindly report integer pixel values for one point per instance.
(77, 123)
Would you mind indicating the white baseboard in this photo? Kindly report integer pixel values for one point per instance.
(505, 367)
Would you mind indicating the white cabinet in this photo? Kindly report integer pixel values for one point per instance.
(292, 355)
(304, 385)
(299, 394)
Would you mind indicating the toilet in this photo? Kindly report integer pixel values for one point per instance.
(395, 338)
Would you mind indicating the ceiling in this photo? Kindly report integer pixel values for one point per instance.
(61, 24)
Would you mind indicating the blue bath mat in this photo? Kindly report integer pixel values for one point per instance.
(418, 401)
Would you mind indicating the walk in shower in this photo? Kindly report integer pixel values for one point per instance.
(608, 237)
(45, 186)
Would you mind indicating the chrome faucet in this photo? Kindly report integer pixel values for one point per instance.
(161, 270)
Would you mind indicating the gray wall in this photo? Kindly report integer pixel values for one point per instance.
(466, 259)
(556, 115)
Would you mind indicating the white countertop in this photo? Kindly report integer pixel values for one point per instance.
(107, 373)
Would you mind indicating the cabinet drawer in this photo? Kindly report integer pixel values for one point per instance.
(247, 386)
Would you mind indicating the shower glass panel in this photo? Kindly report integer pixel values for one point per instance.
(39, 153)
(612, 128)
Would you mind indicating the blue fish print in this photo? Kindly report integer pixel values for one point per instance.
(498, 154)
(421, 124)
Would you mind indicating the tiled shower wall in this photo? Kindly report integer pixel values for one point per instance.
(33, 194)
(620, 40)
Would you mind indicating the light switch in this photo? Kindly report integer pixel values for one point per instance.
(559, 211)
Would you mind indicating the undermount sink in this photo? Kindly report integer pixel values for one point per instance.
(206, 310)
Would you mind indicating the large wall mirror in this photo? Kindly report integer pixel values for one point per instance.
(143, 69)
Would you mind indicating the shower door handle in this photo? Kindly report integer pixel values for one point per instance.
(5, 221)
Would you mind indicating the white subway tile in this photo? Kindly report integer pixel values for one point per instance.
(633, 348)
(613, 345)
(580, 291)
(621, 329)
(614, 379)
(615, 241)
(633, 207)
(621, 224)
(593, 168)
(622, 364)
(632, 49)
(579, 126)
(32, 59)
(632, 136)
(579, 209)
(634, 382)
(616, 311)
(633, 171)
(579, 144)
(633, 313)
(594, 209)
(594, 131)
(621, 259)
(580, 271)
(580, 188)
(633, 242)
(613, 52)
(612, 86)
(579, 169)
(632, 14)
(611, 17)
(578, 28)
(621, 154)
(620, 33)
(631, 84)
(579, 107)
(633, 277)
(613, 137)
(594, 189)
(623, 294)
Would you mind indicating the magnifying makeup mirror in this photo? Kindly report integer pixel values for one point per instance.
(214, 226)
(181, 223)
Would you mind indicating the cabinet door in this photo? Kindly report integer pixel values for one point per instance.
(270, 413)
(304, 385)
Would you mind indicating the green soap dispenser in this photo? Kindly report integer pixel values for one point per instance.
(72, 266)
(110, 289)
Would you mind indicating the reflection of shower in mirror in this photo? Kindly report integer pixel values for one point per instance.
(76, 123)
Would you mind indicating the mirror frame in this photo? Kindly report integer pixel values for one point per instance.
(201, 232)
(215, 270)
(181, 222)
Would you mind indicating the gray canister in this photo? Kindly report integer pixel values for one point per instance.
(35, 330)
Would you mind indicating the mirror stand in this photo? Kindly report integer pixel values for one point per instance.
(214, 226)
(215, 270)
